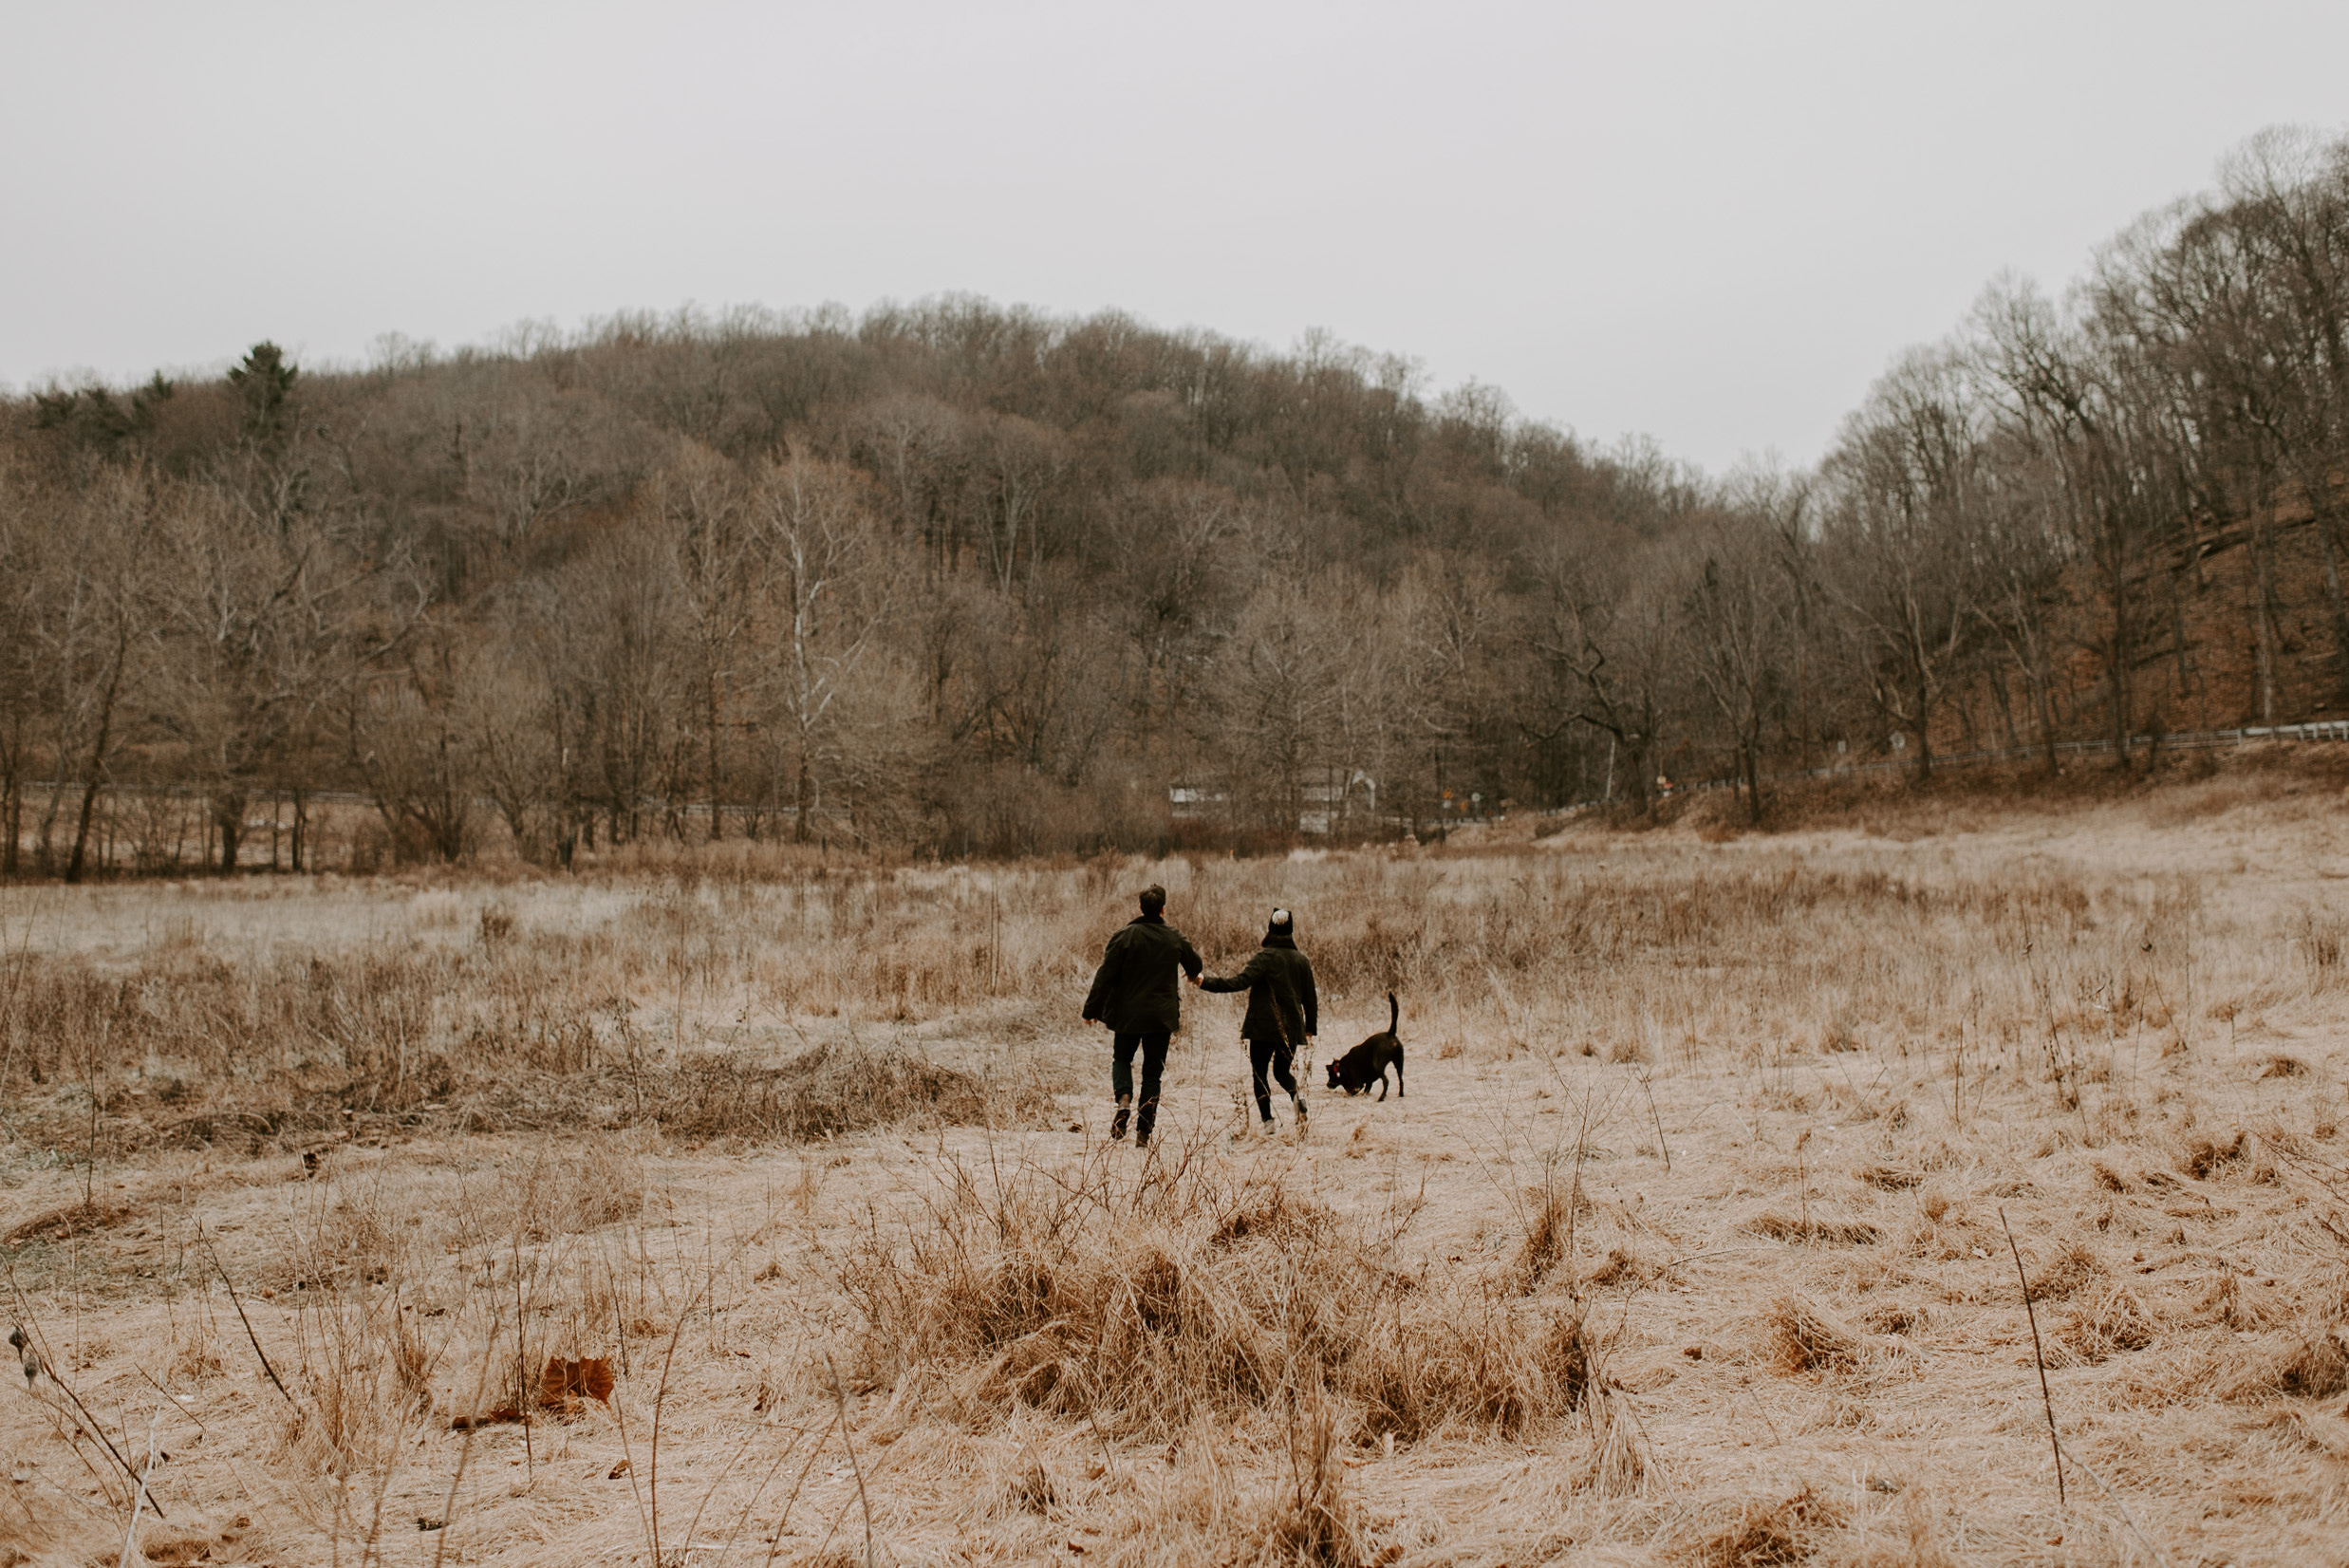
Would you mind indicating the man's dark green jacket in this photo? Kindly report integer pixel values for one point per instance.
(1282, 1009)
(1135, 991)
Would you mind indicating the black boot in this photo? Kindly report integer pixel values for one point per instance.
(1117, 1123)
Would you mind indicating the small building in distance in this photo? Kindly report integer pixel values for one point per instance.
(1327, 799)
(1339, 798)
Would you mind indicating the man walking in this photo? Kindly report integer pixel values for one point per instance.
(1283, 1012)
(1134, 994)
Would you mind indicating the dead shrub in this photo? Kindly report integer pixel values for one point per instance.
(1618, 1266)
(2204, 1155)
(2282, 1066)
(1629, 1050)
(581, 1186)
(1901, 1317)
(1615, 1460)
(1029, 1487)
(1476, 1361)
(1312, 1520)
(2108, 1178)
(1195, 1294)
(1764, 1534)
(1805, 1337)
(1814, 1228)
(2224, 1301)
(2309, 1365)
(364, 1375)
(1549, 1234)
(2108, 1323)
(2324, 941)
(194, 1356)
(2073, 1265)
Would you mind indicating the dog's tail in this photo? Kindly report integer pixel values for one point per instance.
(1393, 1012)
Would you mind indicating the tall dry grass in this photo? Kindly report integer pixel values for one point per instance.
(1834, 1059)
(1141, 1307)
(658, 1002)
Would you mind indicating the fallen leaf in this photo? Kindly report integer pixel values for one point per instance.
(563, 1379)
(617, 1471)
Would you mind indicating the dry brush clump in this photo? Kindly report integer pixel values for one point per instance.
(1804, 1336)
(1142, 1305)
(1762, 1532)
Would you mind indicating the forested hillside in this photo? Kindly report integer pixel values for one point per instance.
(961, 578)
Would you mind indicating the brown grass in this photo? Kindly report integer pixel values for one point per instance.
(1766, 1533)
(1804, 1336)
(1198, 1293)
(789, 1147)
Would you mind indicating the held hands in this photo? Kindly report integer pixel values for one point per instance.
(1194, 979)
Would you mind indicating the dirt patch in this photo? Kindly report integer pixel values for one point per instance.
(60, 1225)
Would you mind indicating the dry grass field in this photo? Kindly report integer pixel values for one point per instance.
(329, 1204)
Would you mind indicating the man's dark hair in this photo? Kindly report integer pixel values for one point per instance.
(1154, 899)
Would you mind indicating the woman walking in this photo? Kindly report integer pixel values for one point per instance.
(1283, 1012)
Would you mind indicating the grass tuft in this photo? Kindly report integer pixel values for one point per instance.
(1805, 1337)
(1766, 1533)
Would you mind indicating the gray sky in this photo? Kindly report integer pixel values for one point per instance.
(1709, 222)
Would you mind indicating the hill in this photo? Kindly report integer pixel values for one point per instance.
(956, 579)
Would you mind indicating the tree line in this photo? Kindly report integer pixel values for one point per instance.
(958, 578)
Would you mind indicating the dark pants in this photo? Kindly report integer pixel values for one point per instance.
(1122, 1075)
(1275, 1055)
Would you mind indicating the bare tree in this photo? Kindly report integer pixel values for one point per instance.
(829, 603)
(1902, 523)
(702, 506)
(23, 584)
(415, 748)
(1016, 464)
(913, 445)
(2074, 396)
(258, 610)
(1285, 694)
(1600, 637)
(98, 642)
(1738, 632)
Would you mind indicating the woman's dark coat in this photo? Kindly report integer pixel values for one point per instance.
(1283, 1008)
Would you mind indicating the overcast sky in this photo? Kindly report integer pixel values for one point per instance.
(1709, 223)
